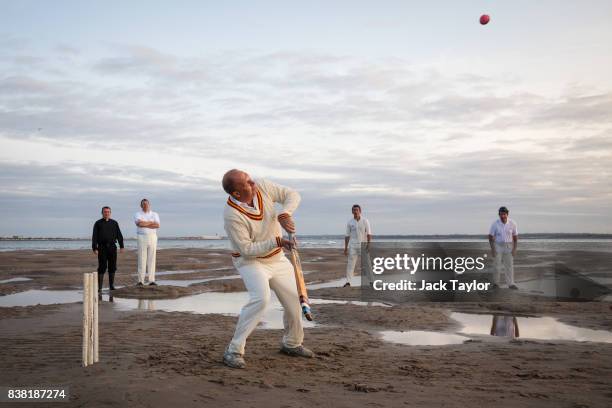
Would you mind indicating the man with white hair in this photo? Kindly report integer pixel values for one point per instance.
(254, 230)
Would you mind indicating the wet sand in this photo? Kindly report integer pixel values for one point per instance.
(157, 358)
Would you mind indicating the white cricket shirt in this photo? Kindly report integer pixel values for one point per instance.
(358, 231)
(146, 216)
(503, 233)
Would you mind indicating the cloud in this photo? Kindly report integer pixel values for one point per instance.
(20, 85)
(67, 50)
(65, 199)
(423, 148)
(600, 144)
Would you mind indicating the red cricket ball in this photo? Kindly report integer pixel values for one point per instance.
(484, 19)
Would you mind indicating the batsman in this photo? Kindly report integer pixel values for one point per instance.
(253, 227)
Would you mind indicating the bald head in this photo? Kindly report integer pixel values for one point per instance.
(229, 180)
(239, 185)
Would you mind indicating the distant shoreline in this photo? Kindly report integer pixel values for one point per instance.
(392, 236)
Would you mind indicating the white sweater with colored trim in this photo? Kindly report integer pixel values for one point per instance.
(255, 234)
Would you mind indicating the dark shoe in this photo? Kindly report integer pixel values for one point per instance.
(233, 360)
(299, 351)
(513, 287)
(347, 284)
(152, 284)
(140, 284)
(112, 288)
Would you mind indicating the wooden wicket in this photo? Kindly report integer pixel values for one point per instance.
(90, 319)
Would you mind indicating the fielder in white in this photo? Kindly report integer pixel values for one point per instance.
(253, 227)
(358, 231)
(503, 238)
(147, 223)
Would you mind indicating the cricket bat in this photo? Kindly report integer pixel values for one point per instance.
(299, 281)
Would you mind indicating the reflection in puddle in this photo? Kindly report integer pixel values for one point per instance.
(348, 302)
(538, 328)
(422, 338)
(41, 297)
(504, 326)
(15, 280)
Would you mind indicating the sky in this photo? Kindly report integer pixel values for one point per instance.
(427, 119)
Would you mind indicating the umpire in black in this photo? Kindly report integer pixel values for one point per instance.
(106, 233)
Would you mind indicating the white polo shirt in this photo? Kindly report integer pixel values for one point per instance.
(503, 233)
(358, 231)
(146, 216)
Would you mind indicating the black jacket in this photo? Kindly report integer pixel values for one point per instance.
(105, 234)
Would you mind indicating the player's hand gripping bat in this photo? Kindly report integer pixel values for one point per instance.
(299, 281)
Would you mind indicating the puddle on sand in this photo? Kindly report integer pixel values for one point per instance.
(537, 328)
(15, 280)
(185, 271)
(347, 302)
(209, 302)
(473, 325)
(336, 283)
(312, 260)
(203, 303)
(187, 282)
(509, 327)
(422, 338)
(227, 303)
(41, 297)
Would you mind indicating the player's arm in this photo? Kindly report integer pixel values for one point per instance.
(492, 238)
(155, 223)
(139, 222)
(514, 239)
(347, 238)
(94, 238)
(287, 197)
(147, 224)
(119, 237)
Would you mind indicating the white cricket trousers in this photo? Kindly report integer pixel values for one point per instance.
(147, 249)
(259, 278)
(504, 259)
(353, 257)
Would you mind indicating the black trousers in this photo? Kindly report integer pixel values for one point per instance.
(107, 258)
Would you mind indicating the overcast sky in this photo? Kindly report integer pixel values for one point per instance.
(413, 109)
